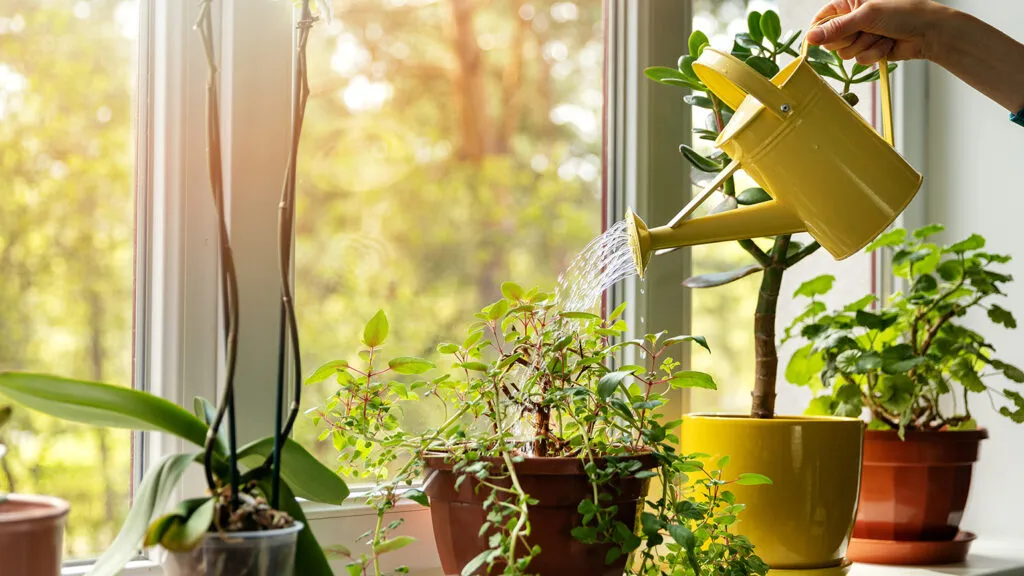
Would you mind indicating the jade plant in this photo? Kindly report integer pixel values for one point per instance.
(911, 362)
(532, 381)
(254, 487)
(5, 416)
(762, 46)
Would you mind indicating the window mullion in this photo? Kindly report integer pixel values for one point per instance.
(176, 326)
(255, 110)
(645, 123)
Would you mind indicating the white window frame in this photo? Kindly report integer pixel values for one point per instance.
(178, 352)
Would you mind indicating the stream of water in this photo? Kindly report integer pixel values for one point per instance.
(602, 263)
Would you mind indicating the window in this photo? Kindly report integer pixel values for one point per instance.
(724, 315)
(448, 146)
(67, 78)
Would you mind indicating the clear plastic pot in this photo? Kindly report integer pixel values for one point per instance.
(262, 553)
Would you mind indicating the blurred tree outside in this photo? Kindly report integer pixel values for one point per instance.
(67, 78)
(449, 145)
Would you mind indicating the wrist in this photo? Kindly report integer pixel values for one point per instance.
(945, 31)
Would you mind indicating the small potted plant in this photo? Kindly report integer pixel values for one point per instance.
(31, 528)
(913, 367)
(543, 455)
(805, 520)
(249, 523)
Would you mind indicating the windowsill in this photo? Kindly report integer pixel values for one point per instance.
(355, 505)
(987, 558)
(134, 568)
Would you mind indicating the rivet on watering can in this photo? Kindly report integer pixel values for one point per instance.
(786, 108)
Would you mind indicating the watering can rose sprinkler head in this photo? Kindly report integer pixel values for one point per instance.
(639, 242)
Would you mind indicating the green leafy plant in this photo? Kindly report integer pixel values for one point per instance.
(761, 47)
(250, 488)
(530, 380)
(909, 362)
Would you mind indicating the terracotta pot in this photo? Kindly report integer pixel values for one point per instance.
(559, 485)
(32, 535)
(915, 489)
(804, 519)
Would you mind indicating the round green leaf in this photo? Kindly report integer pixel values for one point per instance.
(816, 286)
(692, 379)
(410, 365)
(376, 330)
(751, 479)
(512, 291)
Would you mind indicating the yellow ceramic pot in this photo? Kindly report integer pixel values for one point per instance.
(803, 521)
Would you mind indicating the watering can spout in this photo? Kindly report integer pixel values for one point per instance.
(765, 219)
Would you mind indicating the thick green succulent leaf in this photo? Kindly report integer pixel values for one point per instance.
(672, 77)
(101, 404)
(721, 278)
(771, 26)
(150, 501)
(752, 196)
(698, 40)
(754, 26)
(305, 474)
(699, 161)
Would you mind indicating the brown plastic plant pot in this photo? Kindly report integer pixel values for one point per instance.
(31, 535)
(558, 485)
(915, 489)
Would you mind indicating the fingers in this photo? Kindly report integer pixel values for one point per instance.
(833, 7)
(839, 31)
(876, 52)
(863, 42)
(841, 43)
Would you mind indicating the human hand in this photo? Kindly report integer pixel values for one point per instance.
(870, 30)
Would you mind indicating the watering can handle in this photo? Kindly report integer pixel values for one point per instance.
(731, 80)
(885, 86)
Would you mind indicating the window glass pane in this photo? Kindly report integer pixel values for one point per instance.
(724, 315)
(449, 145)
(67, 77)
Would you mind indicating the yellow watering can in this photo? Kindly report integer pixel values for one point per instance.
(827, 170)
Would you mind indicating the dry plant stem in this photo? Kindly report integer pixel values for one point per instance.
(229, 283)
(288, 327)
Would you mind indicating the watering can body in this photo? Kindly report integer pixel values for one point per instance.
(827, 170)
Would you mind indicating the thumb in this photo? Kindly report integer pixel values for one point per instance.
(835, 29)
